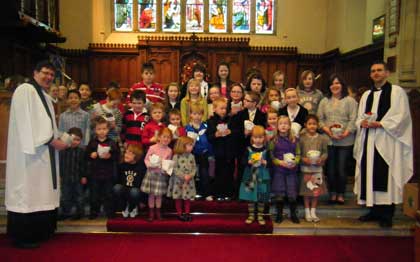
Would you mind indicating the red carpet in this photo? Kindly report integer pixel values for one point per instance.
(212, 248)
(215, 223)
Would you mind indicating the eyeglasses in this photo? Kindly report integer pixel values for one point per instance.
(236, 92)
(47, 73)
(249, 101)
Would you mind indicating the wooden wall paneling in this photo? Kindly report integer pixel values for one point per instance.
(233, 58)
(291, 73)
(166, 62)
(5, 99)
(414, 100)
(77, 65)
(113, 62)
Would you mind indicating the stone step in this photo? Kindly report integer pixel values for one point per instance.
(327, 226)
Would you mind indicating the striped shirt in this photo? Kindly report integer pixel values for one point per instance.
(78, 118)
(154, 92)
(133, 125)
(72, 165)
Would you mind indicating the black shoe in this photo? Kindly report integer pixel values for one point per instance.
(368, 217)
(385, 223)
(182, 218)
(93, 216)
(26, 245)
(111, 215)
(279, 218)
(63, 217)
(294, 218)
(293, 212)
(188, 218)
(76, 217)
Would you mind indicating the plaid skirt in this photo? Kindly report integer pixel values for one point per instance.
(155, 182)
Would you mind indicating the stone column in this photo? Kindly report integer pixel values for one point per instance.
(407, 49)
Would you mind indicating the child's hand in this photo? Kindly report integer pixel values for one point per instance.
(93, 155)
(153, 139)
(306, 161)
(247, 132)
(83, 181)
(218, 134)
(187, 178)
(105, 155)
(227, 132)
(287, 165)
(264, 162)
(112, 125)
(283, 163)
(320, 162)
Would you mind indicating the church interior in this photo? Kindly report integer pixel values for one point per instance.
(91, 41)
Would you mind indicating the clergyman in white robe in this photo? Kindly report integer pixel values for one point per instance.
(392, 141)
(32, 193)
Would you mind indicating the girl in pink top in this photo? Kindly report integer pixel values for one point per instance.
(155, 182)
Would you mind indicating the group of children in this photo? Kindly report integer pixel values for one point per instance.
(218, 142)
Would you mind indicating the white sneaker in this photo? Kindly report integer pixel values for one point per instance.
(315, 218)
(308, 216)
(125, 212)
(134, 213)
(209, 198)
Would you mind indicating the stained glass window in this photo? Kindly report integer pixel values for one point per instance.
(171, 15)
(264, 18)
(194, 16)
(123, 14)
(218, 16)
(241, 10)
(209, 16)
(147, 15)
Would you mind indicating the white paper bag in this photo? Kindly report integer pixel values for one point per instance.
(155, 161)
(221, 127)
(168, 166)
(192, 135)
(66, 138)
(102, 150)
(249, 125)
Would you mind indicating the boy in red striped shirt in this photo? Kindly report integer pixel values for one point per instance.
(134, 119)
(154, 91)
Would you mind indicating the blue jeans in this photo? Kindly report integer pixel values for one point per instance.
(130, 195)
(337, 163)
(71, 195)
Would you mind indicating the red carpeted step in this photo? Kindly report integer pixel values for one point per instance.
(215, 223)
(202, 206)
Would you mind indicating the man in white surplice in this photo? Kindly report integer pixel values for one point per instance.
(32, 190)
(383, 147)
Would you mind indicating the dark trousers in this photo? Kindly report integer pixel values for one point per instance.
(131, 195)
(203, 177)
(337, 167)
(383, 212)
(101, 194)
(224, 184)
(71, 195)
(242, 162)
(31, 227)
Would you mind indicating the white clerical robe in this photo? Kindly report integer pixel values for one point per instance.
(29, 186)
(393, 142)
